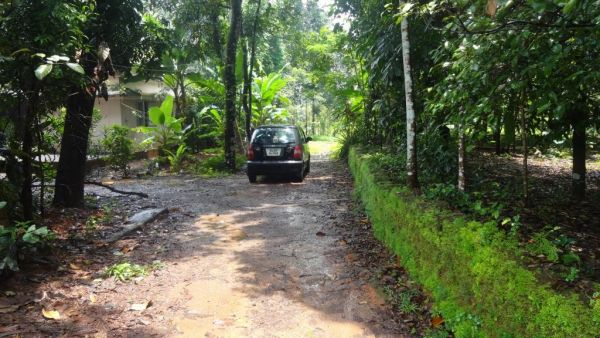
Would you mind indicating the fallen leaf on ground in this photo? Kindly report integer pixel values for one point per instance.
(50, 314)
(140, 306)
(92, 298)
(74, 266)
(437, 321)
(10, 293)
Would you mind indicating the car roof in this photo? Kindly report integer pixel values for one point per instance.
(277, 126)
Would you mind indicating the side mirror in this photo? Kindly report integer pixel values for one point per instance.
(308, 139)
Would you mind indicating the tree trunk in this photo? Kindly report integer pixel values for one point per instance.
(411, 125)
(246, 90)
(182, 96)
(26, 159)
(313, 111)
(251, 65)
(579, 123)
(68, 191)
(497, 133)
(509, 124)
(230, 83)
(525, 157)
(461, 158)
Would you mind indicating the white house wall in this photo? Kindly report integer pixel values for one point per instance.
(111, 115)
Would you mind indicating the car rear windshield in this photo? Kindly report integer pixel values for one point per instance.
(275, 135)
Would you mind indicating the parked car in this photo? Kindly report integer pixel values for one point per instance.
(278, 149)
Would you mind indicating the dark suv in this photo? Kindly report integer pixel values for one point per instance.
(278, 149)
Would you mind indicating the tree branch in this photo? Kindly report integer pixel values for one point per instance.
(141, 194)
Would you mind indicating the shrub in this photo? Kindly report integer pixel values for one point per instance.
(471, 269)
(119, 147)
(19, 238)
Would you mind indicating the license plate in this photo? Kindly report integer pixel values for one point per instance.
(273, 151)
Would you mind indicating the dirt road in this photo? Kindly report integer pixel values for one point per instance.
(272, 259)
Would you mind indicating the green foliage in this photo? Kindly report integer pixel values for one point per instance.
(541, 245)
(176, 158)
(166, 131)
(19, 238)
(471, 270)
(267, 100)
(119, 146)
(403, 300)
(213, 165)
(126, 271)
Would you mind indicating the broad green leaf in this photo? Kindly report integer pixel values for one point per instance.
(54, 58)
(75, 67)
(42, 71)
(167, 105)
(2, 204)
(156, 115)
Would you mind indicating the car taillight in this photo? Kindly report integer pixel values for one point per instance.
(250, 153)
(298, 152)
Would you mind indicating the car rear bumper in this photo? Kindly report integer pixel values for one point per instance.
(274, 167)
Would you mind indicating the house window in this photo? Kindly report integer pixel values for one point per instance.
(142, 114)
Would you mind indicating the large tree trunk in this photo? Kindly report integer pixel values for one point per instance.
(73, 150)
(230, 83)
(70, 176)
(411, 124)
(579, 123)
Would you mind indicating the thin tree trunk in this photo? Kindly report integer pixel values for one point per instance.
(183, 96)
(230, 83)
(497, 135)
(26, 161)
(246, 90)
(313, 110)
(251, 65)
(578, 123)
(411, 125)
(305, 116)
(461, 158)
(525, 157)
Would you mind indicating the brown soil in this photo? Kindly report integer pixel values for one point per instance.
(273, 259)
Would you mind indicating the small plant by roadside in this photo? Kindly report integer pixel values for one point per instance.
(119, 146)
(18, 239)
(403, 300)
(214, 164)
(176, 158)
(126, 271)
(91, 225)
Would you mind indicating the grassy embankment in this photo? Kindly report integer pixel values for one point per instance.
(472, 270)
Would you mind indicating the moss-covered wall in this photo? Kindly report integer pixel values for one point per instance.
(471, 270)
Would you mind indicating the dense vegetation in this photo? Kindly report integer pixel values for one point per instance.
(452, 99)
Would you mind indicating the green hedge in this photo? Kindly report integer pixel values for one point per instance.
(471, 270)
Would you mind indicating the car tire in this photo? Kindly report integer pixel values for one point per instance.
(299, 177)
(252, 177)
(307, 170)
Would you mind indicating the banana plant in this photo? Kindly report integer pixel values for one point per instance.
(176, 158)
(166, 131)
(267, 101)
